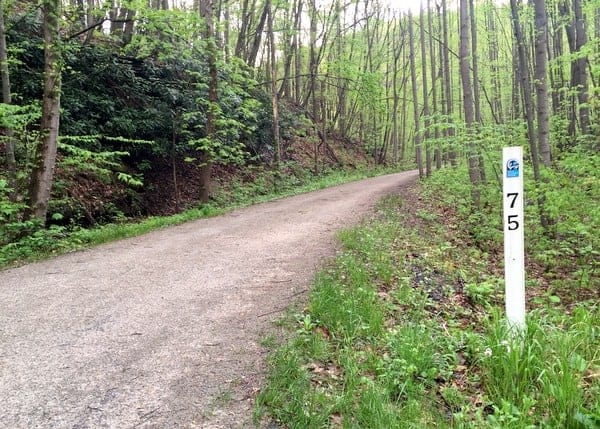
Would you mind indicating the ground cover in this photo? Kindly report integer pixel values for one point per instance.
(406, 329)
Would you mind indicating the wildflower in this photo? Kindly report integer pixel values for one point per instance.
(488, 352)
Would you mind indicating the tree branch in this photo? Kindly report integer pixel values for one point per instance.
(95, 25)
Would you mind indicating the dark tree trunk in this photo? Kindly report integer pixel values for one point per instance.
(42, 175)
(11, 163)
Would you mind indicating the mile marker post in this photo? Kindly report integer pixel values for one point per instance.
(514, 237)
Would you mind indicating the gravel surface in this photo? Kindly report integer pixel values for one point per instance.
(163, 330)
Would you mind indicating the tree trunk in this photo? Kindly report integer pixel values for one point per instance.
(298, 53)
(556, 73)
(274, 95)
(11, 163)
(523, 73)
(540, 78)
(206, 12)
(397, 50)
(426, 134)
(313, 65)
(475, 64)
(447, 79)
(251, 60)
(413, 79)
(42, 175)
(465, 77)
(579, 79)
(240, 46)
(437, 156)
(493, 47)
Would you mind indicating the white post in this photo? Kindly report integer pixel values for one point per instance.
(514, 238)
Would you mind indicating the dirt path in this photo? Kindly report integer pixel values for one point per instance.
(163, 330)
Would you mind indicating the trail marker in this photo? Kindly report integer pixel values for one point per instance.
(514, 237)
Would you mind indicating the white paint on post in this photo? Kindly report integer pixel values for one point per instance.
(514, 237)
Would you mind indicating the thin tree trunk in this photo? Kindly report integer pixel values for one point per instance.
(523, 73)
(497, 111)
(298, 53)
(579, 69)
(426, 134)
(241, 43)
(437, 156)
(274, 93)
(447, 79)
(288, 49)
(251, 60)
(413, 79)
(467, 90)
(397, 50)
(475, 64)
(42, 175)
(540, 78)
(313, 65)
(556, 71)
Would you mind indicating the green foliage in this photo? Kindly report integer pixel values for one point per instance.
(404, 330)
(11, 226)
(571, 194)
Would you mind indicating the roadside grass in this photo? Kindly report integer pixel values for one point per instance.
(38, 243)
(404, 329)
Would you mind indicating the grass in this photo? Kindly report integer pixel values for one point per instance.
(405, 329)
(43, 243)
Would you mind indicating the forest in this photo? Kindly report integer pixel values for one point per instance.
(122, 110)
(104, 101)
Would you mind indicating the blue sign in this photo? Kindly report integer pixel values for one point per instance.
(512, 168)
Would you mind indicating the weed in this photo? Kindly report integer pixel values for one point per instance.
(397, 355)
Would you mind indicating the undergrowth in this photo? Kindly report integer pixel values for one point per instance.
(405, 329)
(24, 241)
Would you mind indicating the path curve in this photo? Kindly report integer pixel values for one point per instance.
(163, 330)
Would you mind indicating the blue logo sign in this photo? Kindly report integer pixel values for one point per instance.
(512, 168)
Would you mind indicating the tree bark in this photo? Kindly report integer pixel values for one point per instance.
(424, 85)
(579, 79)
(206, 12)
(413, 79)
(11, 163)
(447, 79)
(313, 65)
(42, 175)
(541, 81)
(251, 60)
(493, 47)
(240, 46)
(437, 155)
(523, 73)
(298, 53)
(274, 93)
(468, 106)
(475, 64)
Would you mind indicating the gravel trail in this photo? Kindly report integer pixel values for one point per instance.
(163, 330)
